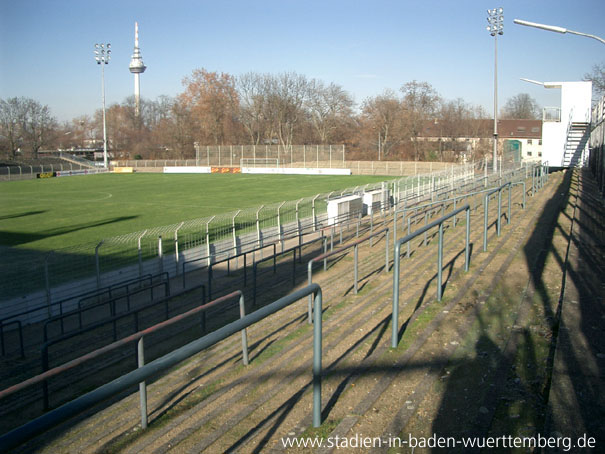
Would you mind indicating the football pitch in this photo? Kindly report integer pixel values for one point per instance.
(56, 213)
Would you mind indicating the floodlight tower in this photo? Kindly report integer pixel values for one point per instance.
(137, 67)
(495, 18)
(102, 57)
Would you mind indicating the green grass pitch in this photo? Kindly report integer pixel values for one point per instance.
(55, 213)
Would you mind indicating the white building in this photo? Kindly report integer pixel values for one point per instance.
(566, 128)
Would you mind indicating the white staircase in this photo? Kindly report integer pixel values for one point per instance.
(575, 144)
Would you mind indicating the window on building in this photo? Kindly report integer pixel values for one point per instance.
(529, 142)
(540, 153)
(540, 142)
(529, 153)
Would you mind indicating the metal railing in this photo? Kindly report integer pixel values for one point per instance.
(338, 251)
(102, 292)
(285, 252)
(100, 324)
(110, 303)
(145, 371)
(486, 198)
(397, 257)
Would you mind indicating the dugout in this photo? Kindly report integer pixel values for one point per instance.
(341, 209)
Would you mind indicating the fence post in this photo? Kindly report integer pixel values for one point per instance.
(279, 229)
(208, 241)
(160, 254)
(176, 248)
(298, 223)
(258, 235)
(234, 235)
(386, 252)
(98, 265)
(140, 253)
(314, 214)
(142, 385)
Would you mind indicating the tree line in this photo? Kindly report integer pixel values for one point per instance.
(260, 108)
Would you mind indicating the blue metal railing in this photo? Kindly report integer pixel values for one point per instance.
(397, 257)
(338, 251)
(142, 373)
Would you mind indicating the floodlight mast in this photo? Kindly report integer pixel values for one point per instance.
(102, 57)
(556, 29)
(495, 18)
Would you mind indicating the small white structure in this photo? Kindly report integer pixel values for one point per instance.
(566, 129)
(344, 208)
(372, 201)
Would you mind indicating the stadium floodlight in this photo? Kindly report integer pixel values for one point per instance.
(495, 18)
(102, 57)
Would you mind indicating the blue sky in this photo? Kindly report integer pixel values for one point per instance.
(46, 47)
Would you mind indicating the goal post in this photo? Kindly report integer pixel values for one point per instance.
(259, 162)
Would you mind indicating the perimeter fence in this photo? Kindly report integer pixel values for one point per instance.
(33, 279)
(293, 156)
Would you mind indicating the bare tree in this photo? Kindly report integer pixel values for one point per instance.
(329, 107)
(253, 93)
(12, 115)
(521, 107)
(597, 76)
(420, 101)
(287, 94)
(383, 118)
(24, 121)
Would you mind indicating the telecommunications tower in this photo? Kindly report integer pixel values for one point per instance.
(137, 67)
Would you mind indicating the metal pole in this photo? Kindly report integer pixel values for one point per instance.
(279, 226)
(176, 247)
(495, 157)
(208, 241)
(104, 122)
(355, 273)
(440, 263)
(395, 316)
(258, 236)
(485, 208)
(509, 204)
(160, 254)
(314, 214)
(242, 314)
(467, 249)
(317, 341)
(499, 223)
(142, 384)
